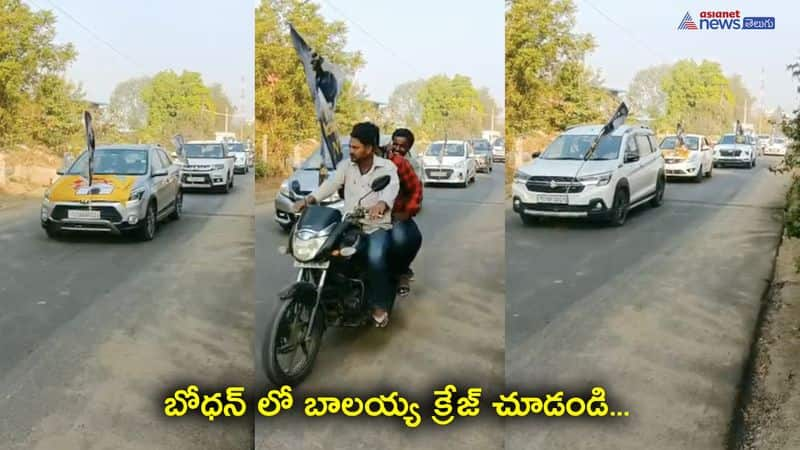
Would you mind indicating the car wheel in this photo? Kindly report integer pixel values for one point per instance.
(619, 208)
(178, 211)
(661, 185)
(710, 170)
(699, 177)
(147, 231)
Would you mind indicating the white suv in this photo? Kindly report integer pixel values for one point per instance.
(624, 171)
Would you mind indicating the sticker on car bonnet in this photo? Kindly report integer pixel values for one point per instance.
(98, 187)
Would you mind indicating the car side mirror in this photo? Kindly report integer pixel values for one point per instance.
(380, 183)
(159, 173)
(60, 171)
(631, 157)
(296, 187)
(536, 154)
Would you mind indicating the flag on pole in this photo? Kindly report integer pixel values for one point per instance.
(325, 81)
(87, 124)
(616, 121)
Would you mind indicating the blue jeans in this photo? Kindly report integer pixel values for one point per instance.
(376, 247)
(406, 242)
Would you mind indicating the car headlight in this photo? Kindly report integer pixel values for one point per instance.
(306, 249)
(47, 195)
(136, 195)
(598, 179)
(219, 166)
(459, 165)
(520, 177)
(284, 190)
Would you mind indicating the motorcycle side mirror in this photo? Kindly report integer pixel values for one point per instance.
(296, 187)
(380, 183)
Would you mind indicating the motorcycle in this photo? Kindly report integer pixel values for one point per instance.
(329, 291)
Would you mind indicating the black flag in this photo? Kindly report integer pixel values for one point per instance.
(87, 123)
(325, 83)
(616, 121)
(679, 134)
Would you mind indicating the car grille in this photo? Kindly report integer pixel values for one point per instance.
(673, 160)
(730, 152)
(545, 184)
(106, 212)
(550, 207)
(445, 174)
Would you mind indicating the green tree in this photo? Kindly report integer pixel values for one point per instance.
(547, 85)
(221, 104)
(404, 108)
(29, 61)
(699, 95)
(177, 104)
(490, 108)
(645, 96)
(127, 108)
(284, 109)
(450, 105)
(741, 97)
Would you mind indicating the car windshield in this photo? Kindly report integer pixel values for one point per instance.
(575, 146)
(112, 162)
(778, 141)
(440, 149)
(236, 148)
(315, 160)
(213, 150)
(732, 139)
(481, 146)
(670, 142)
(500, 143)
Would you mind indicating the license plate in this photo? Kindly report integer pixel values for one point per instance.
(312, 265)
(83, 214)
(438, 174)
(196, 179)
(553, 198)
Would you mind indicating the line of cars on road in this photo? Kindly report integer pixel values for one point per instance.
(627, 168)
(451, 162)
(134, 187)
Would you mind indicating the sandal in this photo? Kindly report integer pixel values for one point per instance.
(403, 287)
(381, 321)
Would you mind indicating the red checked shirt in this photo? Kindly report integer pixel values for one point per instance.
(409, 199)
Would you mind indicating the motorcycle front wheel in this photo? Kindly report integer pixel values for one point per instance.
(287, 355)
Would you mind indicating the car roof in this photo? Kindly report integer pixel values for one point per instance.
(686, 135)
(128, 147)
(595, 130)
(204, 142)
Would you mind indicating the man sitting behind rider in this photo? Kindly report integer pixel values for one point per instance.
(356, 177)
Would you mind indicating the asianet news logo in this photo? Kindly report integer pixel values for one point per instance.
(726, 20)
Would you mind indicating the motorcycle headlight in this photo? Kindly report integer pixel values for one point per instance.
(219, 166)
(520, 177)
(306, 249)
(136, 195)
(599, 179)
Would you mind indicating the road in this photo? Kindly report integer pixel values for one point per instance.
(98, 329)
(449, 330)
(660, 312)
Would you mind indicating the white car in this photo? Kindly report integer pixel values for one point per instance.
(499, 150)
(624, 171)
(776, 147)
(208, 165)
(694, 160)
(449, 162)
(735, 150)
(242, 157)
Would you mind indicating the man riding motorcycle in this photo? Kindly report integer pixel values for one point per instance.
(356, 178)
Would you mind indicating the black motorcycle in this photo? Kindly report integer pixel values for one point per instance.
(329, 291)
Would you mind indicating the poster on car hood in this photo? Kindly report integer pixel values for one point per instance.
(325, 81)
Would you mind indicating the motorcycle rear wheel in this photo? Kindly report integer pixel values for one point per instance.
(286, 338)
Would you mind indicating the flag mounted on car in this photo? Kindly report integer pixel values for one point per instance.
(325, 81)
(619, 117)
(87, 125)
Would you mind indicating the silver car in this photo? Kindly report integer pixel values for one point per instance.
(242, 162)
(133, 188)
(449, 162)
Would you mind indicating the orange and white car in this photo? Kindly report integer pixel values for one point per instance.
(694, 159)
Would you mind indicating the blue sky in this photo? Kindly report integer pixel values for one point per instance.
(427, 37)
(648, 35)
(214, 38)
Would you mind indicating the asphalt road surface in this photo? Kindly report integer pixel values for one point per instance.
(97, 330)
(450, 329)
(660, 312)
